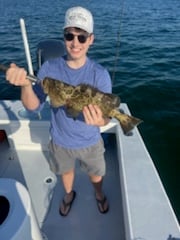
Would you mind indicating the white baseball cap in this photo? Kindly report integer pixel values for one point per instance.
(80, 18)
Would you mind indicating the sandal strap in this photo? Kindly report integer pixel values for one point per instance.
(101, 202)
(67, 205)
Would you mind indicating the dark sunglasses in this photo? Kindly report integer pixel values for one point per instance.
(81, 38)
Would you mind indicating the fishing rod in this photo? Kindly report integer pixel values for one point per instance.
(26, 47)
(31, 77)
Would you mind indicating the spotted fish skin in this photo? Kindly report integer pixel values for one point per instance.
(76, 97)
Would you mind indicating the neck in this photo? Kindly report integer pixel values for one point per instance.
(76, 63)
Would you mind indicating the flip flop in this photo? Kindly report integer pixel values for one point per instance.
(101, 205)
(66, 205)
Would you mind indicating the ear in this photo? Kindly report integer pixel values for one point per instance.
(91, 39)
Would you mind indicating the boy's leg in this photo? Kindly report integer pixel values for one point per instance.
(101, 199)
(67, 180)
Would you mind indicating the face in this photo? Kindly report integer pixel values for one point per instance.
(77, 43)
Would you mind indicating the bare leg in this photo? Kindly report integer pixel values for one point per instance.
(100, 197)
(68, 180)
(97, 183)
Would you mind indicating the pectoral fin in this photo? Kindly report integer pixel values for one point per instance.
(71, 112)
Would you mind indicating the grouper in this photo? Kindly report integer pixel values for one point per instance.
(76, 97)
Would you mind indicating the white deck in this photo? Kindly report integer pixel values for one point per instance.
(139, 207)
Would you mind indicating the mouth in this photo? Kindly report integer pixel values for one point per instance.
(75, 50)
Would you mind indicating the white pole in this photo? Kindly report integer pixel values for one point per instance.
(26, 46)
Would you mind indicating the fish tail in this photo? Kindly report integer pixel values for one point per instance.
(127, 122)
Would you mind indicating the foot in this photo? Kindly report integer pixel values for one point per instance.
(102, 204)
(66, 204)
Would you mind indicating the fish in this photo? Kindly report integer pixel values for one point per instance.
(75, 98)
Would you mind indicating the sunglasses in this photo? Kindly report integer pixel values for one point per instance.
(81, 38)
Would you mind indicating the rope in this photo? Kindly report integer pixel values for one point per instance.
(118, 44)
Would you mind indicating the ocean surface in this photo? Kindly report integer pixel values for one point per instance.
(138, 42)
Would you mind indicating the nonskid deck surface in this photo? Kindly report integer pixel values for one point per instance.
(84, 220)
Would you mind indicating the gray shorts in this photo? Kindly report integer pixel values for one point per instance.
(91, 159)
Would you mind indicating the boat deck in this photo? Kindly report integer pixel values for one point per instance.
(84, 220)
(139, 205)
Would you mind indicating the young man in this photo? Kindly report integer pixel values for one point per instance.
(72, 139)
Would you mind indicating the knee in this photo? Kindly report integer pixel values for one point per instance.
(95, 179)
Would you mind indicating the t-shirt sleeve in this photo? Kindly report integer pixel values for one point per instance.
(103, 79)
(38, 88)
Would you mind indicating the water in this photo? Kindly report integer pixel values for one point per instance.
(138, 42)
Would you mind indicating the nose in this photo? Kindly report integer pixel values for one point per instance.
(75, 41)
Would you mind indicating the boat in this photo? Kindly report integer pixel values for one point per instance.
(30, 193)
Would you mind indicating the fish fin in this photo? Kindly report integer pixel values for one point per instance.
(126, 121)
(71, 112)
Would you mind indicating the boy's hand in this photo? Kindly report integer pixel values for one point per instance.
(94, 116)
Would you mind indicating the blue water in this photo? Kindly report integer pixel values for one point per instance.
(138, 42)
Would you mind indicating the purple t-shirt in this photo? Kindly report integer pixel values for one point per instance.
(64, 130)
